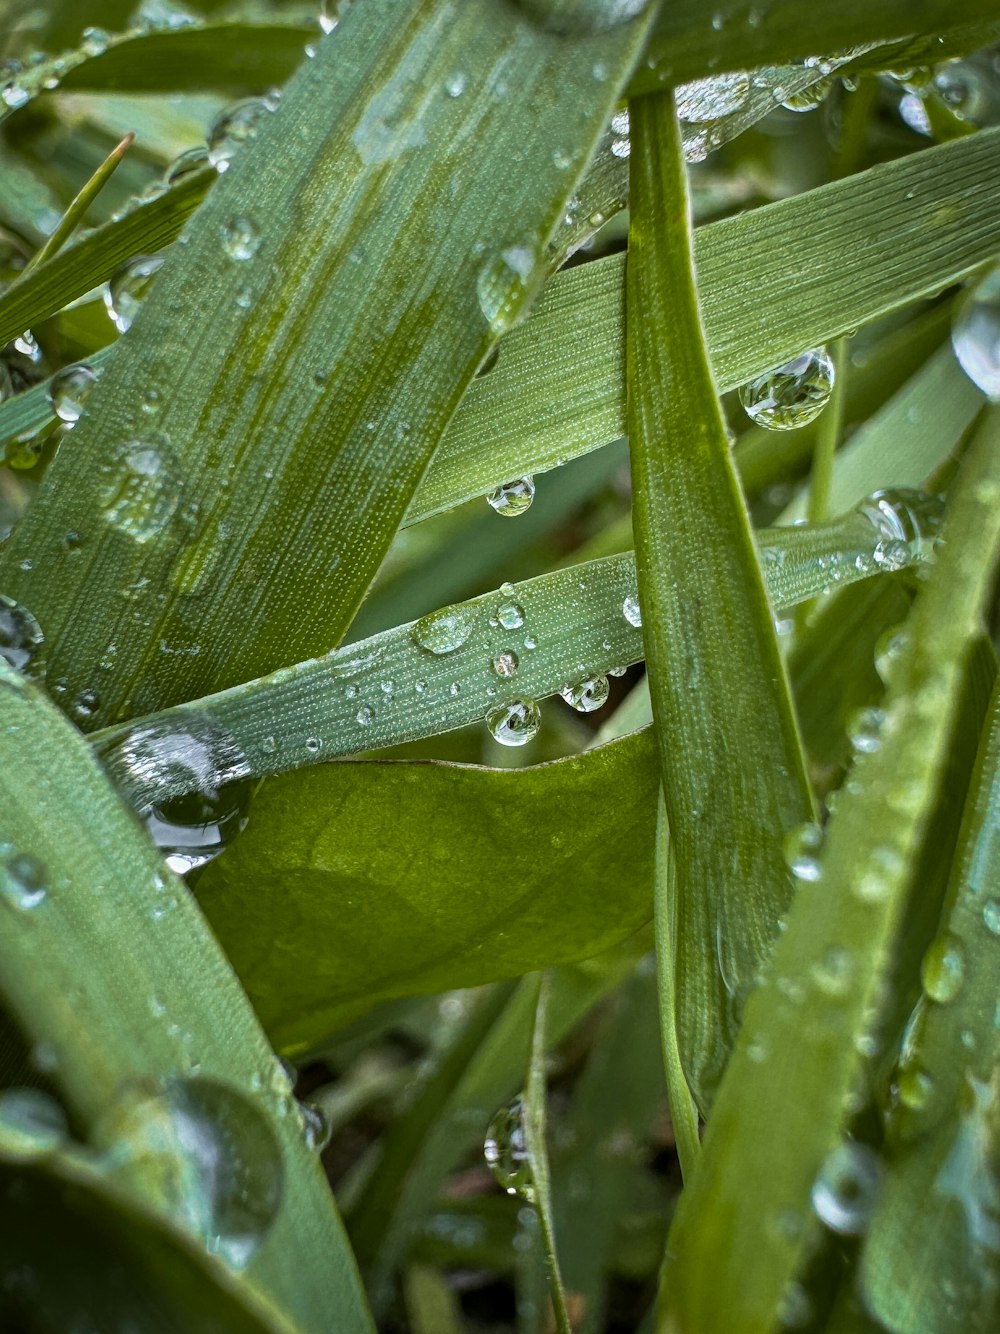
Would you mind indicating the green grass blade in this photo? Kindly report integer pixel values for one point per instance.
(314, 392)
(934, 1270)
(115, 969)
(744, 1226)
(74, 215)
(721, 705)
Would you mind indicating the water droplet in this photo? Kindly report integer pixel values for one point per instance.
(507, 283)
(127, 288)
(455, 83)
(913, 1086)
(446, 630)
(316, 1126)
(141, 488)
(943, 969)
(191, 160)
(234, 127)
(95, 41)
(991, 915)
(513, 498)
(505, 663)
(802, 847)
(888, 651)
(506, 1151)
(632, 611)
(833, 972)
(365, 716)
(14, 95)
(314, 745)
(792, 394)
(810, 97)
(510, 615)
(864, 729)
(844, 1193)
(205, 776)
(795, 1310)
(68, 390)
(207, 1153)
(586, 695)
(86, 704)
(515, 723)
(240, 238)
(22, 879)
(964, 89)
(907, 523)
(22, 644)
(32, 1124)
(975, 335)
(710, 98)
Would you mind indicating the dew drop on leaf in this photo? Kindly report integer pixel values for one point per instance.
(587, 695)
(506, 1151)
(907, 523)
(712, 97)
(32, 1124)
(240, 238)
(506, 283)
(446, 630)
(802, 847)
(191, 160)
(792, 394)
(316, 1126)
(23, 882)
(68, 390)
(22, 643)
(127, 287)
(943, 969)
(235, 126)
(512, 498)
(844, 1193)
(505, 663)
(632, 611)
(975, 335)
(141, 488)
(515, 723)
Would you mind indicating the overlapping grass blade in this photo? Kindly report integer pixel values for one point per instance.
(745, 1224)
(114, 968)
(303, 414)
(720, 699)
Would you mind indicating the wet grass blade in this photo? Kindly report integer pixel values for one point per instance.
(745, 1223)
(315, 392)
(107, 960)
(720, 699)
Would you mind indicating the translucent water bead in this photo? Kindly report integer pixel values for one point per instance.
(68, 391)
(22, 642)
(791, 395)
(907, 523)
(513, 498)
(975, 336)
(515, 723)
(710, 98)
(234, 127)
(128, 286)
(587, 695)
(845, 1191)
(506, 1151)
(188, 783)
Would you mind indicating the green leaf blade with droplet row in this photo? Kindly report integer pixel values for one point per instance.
(302, 415)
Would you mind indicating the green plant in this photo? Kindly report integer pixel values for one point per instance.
(433, 247)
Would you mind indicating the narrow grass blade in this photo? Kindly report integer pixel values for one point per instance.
(78, 208)
(720, 699)
(107, 960)
(315, 393)
(745, 1224)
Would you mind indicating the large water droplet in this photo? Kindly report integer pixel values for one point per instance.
(516, 722)
(506, 1151)
(587, 695)
(632, 611)
(844, 1193)
(234, 127)
(506, 283)
(205, 776)
(68, 390)
(141, 488)
(240, 238)
(943, 969)
(32, 1124)
(791, 395)
(22, 644)
(710, 98)
(513, 498)
(802, 847)
(505, 663)
(23, 882)
(810, 97)
(907, 523)
(975, 335)
(206, 1154)
(510, 615)
(446, 630)
(186, 163)
(128, 286)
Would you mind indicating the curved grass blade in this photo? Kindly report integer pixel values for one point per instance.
(930, 1260)
(349, 855)
(315, 393)
(745, 1224)
(107, 960)
(720, 699)
(74, 215)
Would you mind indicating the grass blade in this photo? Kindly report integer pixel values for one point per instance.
(720, 699)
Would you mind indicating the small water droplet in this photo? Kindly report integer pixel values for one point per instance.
(141, 488)
(68, 390)
(976, 335)
(888, 651)
(14, 95)
(587, 695)
(316, 1126)
(632, 611)
(446, 630)
(23, 883)
(833, 972)
(991, 915)
(314, 745)
(506, 1151)
(234, 127)
(191, 160)
(127, 288)
(86, 704)
(22, 644)
(32, 1124)
(365, 716)
(802, 847)
(240, 238)
(507, 283)
(844, 1193)
(864, 730)
(808, 98)
(792, 394)
(943, 969)
(455, 83)
(510, 615)
(514, 723)
(505, 663)
(95, 41)
(512, 498)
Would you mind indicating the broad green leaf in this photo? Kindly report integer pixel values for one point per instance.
(930, 1260)
(108, 961)
(745, 1224)
(693, 40)
(92, 1251)
(421, 877)
(280, 441)
(721, 706)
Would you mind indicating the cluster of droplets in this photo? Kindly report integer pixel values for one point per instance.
(506, 1151)
(512, 498)
(188, 783)
(907, 525)
(792, 394)
(975, 335)
(708, 99)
